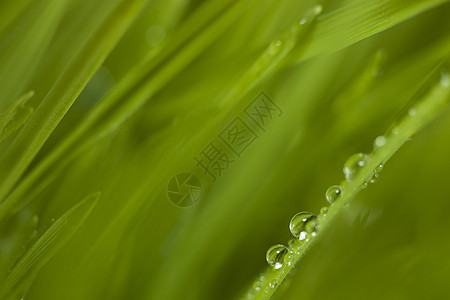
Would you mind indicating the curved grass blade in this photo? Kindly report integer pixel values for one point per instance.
(138, 92)
(142, 90)
(24, 44)
(295, 37)
(64, 92)
(425, 110)
(263, 66)
(48, 244)
(137, 89)
(361, 19)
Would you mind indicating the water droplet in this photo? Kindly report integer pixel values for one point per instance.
(256, 288)
(333, 193)
(317, 9)
(289, 258)
(302, 224)
(353, 165)
(445, 79)
(292, 242)
(324, 211)
(274, 47)
(273, 284)
(412, 112)
(379, 62)
(35, 220)
(311, 14)
(379, 168)
(275, 255)
(395, 131)
(294, 246)
(380, 141)
(375, 176)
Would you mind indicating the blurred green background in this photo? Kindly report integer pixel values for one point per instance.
(192, 64)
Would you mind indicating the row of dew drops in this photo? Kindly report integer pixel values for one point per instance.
(304, 225)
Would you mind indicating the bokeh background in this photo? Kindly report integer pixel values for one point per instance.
(346, 81)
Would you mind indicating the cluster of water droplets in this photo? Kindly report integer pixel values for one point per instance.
(261, 286)
(358, 161)
(275, 255)
(304, 225)
(286, 42)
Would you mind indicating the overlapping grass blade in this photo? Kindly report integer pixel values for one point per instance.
(360, 19)
(64, 92)
(47, 245)
(130, 95)
(23, 46)
(426, 109)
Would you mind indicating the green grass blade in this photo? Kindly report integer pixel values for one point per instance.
(425, 110)
(48, 244)
(361, 19)
(23, 46)
(63, 93)
(131, 94)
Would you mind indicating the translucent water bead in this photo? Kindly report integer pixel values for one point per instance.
(333, 193)
(353, 165)
(302, 224)
(275, 255)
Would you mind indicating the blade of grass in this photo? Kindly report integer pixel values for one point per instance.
(360, 19)
(48, 244)
(426, 110)
(24, 44)
(141, 89)
(64, 92)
